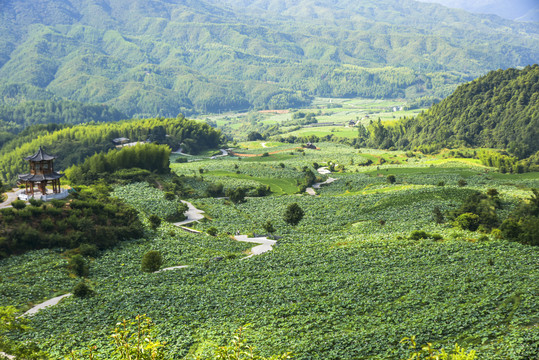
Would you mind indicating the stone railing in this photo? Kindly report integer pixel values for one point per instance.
(47, 197)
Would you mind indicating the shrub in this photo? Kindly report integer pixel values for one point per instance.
(88, 250)
(151, 261)
(462, 183)
(418, 235)
(35, 202)
(155, 221)
(268, 226)
(215, 190)
(492, 192)
(46, 224)
(212, 231)
(265, 154)
(468, 221)
(82, 290)
(511, 229)
(236, 195)
(391, 179)
(18, 204)
(181, 160)
(293, 214)
(57, 203)
(77, 265)
(441, 183)
(170, 196)
(496, 233)
(483, 238)
(438, 216)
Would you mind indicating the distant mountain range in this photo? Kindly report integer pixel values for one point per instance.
(162, 57)
(519, 10)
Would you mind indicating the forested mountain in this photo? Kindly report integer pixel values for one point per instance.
(156, 57)
(73, 144)
(499, 110)
(16, 118)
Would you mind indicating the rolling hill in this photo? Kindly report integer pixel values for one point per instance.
(149, 58)
(499, 110)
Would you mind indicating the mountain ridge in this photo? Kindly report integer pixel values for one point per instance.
(150, 58)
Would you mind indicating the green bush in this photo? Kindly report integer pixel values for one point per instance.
(77, 265)
(468, 221)
(46, 224)
(293, 214)
(391, 179)
(35, 202)
(18, 204)
(418, 235)
(88, 250)
(170, 196)
(151, 261)
(268, 226)
(58, 204)
(155, 221)
(236, 195)
(82, 290)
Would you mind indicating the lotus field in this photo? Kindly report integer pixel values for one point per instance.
(347, 282)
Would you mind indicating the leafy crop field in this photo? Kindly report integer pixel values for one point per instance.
(347, 282)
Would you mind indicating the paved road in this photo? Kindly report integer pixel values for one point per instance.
(193, 214)
(171, 268)
(11, 196)
(323, 170)
(265, 244)
(328, 181)
(43, 305)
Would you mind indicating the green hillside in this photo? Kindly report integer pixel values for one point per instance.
(499, 110)
(72, 144)
(150, 58)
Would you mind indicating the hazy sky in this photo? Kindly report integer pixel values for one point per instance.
(510, 9)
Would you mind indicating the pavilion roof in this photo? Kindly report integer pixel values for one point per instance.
(40, 155)
(40, 177)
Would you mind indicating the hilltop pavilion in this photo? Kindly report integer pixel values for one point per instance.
(41, 174)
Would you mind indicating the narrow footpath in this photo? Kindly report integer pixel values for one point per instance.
(321, 171)
(11, 196)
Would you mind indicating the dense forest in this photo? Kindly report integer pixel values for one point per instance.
(17, 118)
(73, 144)
(111, 166)
(499, 110)
(157, 58)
